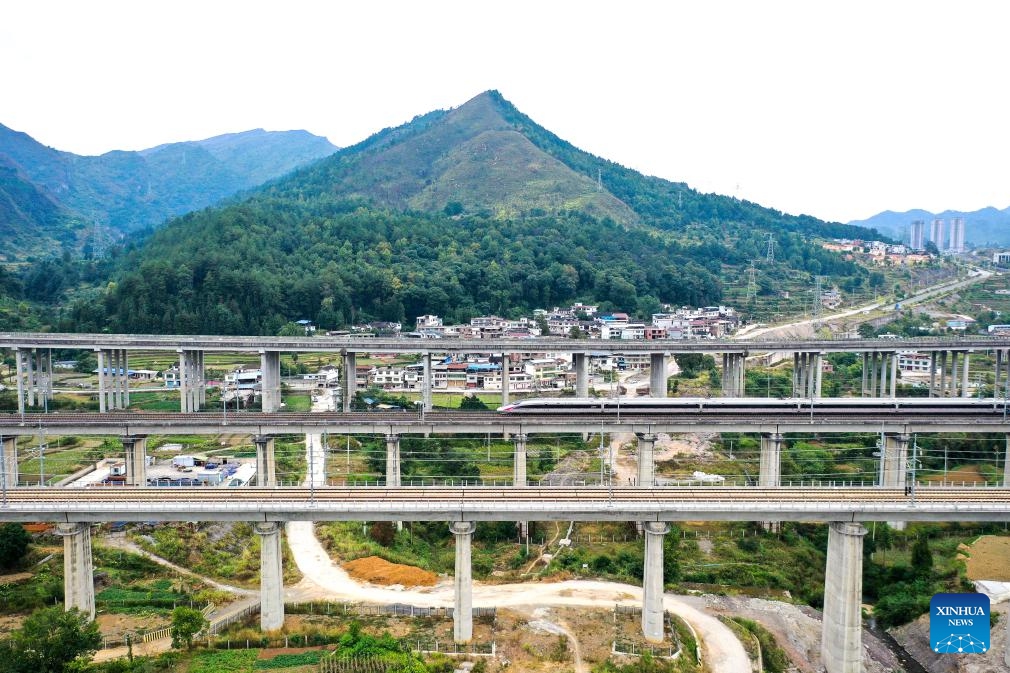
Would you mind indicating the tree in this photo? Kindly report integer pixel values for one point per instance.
(472, 403)
(186, 623)
(14, 541)
(922, 558)
(49, 641)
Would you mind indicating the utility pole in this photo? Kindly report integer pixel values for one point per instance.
(770, 255)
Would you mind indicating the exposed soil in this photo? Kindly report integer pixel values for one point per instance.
(380, 571)
(988, 559)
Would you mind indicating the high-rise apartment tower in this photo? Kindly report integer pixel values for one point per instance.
(916, 235)
(956, 235)
(938, 234)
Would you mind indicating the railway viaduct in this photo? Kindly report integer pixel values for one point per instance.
(842, 507)
(949, 360)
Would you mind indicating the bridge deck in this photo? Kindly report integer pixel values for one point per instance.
(506, 504)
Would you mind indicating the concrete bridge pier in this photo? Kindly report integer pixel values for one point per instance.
(770, 470)
(519, 476)
(135, 448)
(733, 374)
(8, 462)
(462, 614)
(657, 375)
(894, 467)
(113, 379)
(580, 363)
(270, 369)
(393, 461)
(842, 635)
(1006, 478)
(807, 375)
(646, 461)
(351, 379)
(426, 403)
(271, 576)
(964, 376)
(652, 581)
(192, 385)
(266, 463)
(78, 568)
(506, 362)
(25, 373)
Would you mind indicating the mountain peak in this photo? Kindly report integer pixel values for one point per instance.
(479, 155)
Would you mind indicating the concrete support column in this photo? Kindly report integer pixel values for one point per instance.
(862, 390)
(351, 378)
(505, 362)
(998, 372)
(266, 463)
(894, 467)
(646, 463)
(393, 460)
(770, 475)
(201, 372)
(894, 374)
(191, 380)
(135, 448)
(883, 375)
(102, 364)
(842, 635)
(31, 377)
(8, 462)
(426, 383)
(126, 379)
(964, 376)
(117, 378)
(873, 375)
(78, 569)
(45, 358)
(796, 375)
(954, 374)
(271, 576)
(580, 362)
(652, 581)
(932, 373)
(818, 375)
(270, 368)
(1006, 463)
(943, 374)
(657, 375)
(19, 361)
(462, 614)
(519, 462)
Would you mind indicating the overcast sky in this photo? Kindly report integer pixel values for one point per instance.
(836, 109)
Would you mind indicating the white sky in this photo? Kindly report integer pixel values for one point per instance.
(836, 109)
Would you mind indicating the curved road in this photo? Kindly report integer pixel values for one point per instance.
(324, 580)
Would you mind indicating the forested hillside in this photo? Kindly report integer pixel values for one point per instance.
(50, 198)
(461, 212)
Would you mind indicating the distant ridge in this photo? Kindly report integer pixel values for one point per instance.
(986, 226)
(123, 192)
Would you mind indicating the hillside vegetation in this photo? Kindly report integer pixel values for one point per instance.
(461, 212)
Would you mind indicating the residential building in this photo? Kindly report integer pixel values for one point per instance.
(913, 363)
(917, 235)
(938, 234)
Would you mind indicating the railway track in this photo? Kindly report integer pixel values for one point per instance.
(502, 495)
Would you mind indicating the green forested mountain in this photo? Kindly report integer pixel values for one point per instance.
(30, 217)
(459, 212)
(125, 191)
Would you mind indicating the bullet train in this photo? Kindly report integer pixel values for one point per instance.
(753, 405)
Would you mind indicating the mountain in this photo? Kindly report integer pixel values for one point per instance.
(459, 212)
(985, 227)
(127, 191)
(29, 216)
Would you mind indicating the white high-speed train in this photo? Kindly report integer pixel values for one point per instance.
(753, 405)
